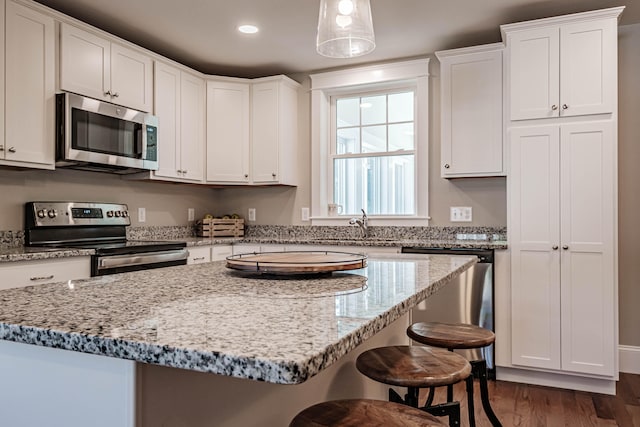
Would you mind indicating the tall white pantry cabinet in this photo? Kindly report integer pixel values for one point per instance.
(561, 115)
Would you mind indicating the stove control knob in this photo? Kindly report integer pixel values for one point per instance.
(41, 213)
(110, 214)
(52, 213)
(118, 214)
(125, 214)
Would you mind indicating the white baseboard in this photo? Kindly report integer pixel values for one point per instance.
(549, 379)
(629, 359)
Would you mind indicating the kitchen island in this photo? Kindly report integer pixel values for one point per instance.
(249, 350)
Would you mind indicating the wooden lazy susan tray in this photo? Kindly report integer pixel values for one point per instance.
(297, 262)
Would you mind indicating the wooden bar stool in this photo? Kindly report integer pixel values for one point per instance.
(454, 336)
(417, 367)
(363, 412)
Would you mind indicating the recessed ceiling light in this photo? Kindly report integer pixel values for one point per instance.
(248, 29)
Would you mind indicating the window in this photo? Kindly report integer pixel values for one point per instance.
(369, 143)
(373, 153)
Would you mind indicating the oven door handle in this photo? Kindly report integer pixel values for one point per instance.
(115, 261)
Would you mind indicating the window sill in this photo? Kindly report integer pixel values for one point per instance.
(373, 220)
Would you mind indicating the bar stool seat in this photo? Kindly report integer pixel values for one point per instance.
(451, 335)
(363, 412)
(454, 336)
(417, 367)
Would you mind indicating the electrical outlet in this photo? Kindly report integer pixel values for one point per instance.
(191, 214)
(252, 214)
(305, 214)
(460, 214)
(142, 214)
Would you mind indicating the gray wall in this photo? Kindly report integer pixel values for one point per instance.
(166, 204)
(629, 183)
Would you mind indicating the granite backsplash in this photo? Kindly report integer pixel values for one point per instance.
(12, 238)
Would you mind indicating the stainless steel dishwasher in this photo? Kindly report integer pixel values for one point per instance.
(468, 299)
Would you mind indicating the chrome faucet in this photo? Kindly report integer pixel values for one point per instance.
(361, 222)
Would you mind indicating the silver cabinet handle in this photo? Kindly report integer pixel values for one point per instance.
(184, 171)
(554, 107)
(565, 247)
(180, 171)
(246, 175)
(565, 106)
(12, 149)
(273, 175)
(198, 259)
(554, 247)
(107, 93)
(1, 147)
(41, 278)
(447, 166)
(115, 95)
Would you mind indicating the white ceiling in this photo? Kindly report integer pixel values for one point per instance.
(202, 33)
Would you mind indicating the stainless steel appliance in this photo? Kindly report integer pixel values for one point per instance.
(99, 136)
(468, 299)
(102, 227)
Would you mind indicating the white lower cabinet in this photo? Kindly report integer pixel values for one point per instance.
(25, 273)
(221, 252)
(202, 254)
(562, 192)
(199, 255)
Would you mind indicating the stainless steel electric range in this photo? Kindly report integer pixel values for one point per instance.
(102, 227)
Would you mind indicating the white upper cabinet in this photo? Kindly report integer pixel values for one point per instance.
(228, 140)
(29, 89)
(179, 105)
(93, 66)
(565, 66)
(252, 131)
(471, 111)
(274, 129)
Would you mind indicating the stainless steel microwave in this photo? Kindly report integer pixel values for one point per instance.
(97, 135)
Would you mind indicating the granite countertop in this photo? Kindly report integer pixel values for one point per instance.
(208, 318)
(39, 253)
(32, 253)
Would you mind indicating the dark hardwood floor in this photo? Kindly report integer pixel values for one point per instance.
(535, 406)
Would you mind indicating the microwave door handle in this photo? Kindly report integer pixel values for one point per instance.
(143, 141)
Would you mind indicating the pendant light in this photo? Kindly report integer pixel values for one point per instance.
(345, 28)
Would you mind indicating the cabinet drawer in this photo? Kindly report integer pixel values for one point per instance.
(26, 273)
(220, 252)
(198, 255)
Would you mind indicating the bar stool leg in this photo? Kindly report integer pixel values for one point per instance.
(479, 370)
(470, 405)
(450, 409)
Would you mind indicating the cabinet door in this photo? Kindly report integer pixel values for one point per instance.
(30, 87)
(265, 143)
(192, 127)
(588, 67)
(534, 66)
(131, 78)
(199, 255)
(85, 63)
(227, 132)
(26, 273)
(471, 100)
(588, 236)
(167, 108)
(535, 256)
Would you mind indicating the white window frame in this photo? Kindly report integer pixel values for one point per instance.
(368, 78)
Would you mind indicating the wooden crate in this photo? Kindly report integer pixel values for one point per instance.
(214, 227)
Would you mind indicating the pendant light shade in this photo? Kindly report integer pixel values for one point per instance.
(345, 28)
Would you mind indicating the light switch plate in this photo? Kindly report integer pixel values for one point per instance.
(191, 214)
(305, 214)
(142, 214)
(252, 214)
(461, 214)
